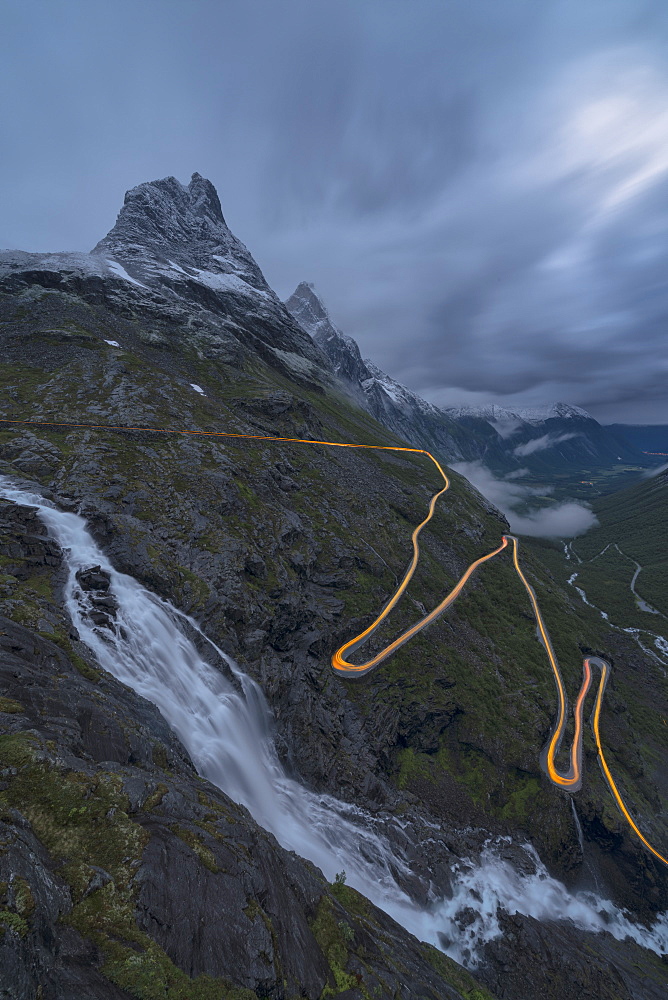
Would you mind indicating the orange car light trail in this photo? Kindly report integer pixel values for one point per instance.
(572, 780)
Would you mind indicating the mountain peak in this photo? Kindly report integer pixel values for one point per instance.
(166, 215)
(204, 199)
(344, 355)
(307, 306)
(311, 313)
(165, 222)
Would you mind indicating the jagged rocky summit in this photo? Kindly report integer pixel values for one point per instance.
(168, 229)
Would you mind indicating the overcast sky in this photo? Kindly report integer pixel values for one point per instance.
(477, 188)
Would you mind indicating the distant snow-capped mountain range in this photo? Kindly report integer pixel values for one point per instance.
(528, 415)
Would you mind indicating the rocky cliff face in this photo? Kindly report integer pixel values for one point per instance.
(342, 352)
(128, 875)
(164, 226)
(391, 404)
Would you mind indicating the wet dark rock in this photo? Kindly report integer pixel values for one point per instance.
(254, 641)
(255, 565)
(99, 618)
(466, 917)
(94, 578)
(108, 602)
(99, 879)
(553, 960)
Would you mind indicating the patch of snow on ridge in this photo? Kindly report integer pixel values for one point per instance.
(122, 273)
(176, 267)
(387, 387)
(112, 343)
(227, 261)
(229, 283)
(538, 414)
(198, 388)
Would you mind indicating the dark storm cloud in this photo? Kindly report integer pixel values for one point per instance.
(478, 190)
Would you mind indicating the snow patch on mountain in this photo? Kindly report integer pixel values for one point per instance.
(122, 273)
(176, 267)
(228, 283)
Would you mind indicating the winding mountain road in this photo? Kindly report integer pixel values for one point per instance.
(570, 781)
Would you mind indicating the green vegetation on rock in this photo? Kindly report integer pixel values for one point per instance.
(83, 823)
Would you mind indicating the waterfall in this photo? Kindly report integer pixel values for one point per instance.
(223, 720)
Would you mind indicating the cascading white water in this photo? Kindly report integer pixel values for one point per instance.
(495, 883)
(227, 729)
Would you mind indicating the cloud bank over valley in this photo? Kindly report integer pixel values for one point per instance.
(566, 519)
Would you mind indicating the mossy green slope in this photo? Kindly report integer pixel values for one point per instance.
(199, 520)
(285, 551)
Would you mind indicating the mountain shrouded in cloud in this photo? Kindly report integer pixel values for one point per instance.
(547, 438)
(479, 190)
